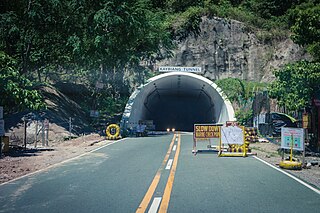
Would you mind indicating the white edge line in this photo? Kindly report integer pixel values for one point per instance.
(289, 175)
(155, 205)
(62, 162)
(169, 164)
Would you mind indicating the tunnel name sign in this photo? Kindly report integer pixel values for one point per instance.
(179, 69)
(206, 131)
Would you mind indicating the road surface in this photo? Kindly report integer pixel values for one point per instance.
(157, 174)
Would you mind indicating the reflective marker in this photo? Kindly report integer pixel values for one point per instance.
(169, 164)
(174, 148)
(155, 205)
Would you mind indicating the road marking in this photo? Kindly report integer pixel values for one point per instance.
(174, 148)
(289, 175)
(62, 162)
(147, 198)
(155, 205)
(167, 192)
(169, 164)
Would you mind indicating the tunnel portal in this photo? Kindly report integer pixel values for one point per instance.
(177, 100)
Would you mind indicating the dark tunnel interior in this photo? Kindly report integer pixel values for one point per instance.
(179, 109)
(176, 100)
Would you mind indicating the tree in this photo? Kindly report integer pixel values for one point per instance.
(296, 84)
(269, 8)
(122, 32)
(241, 92)
(233, 88)
(54, 37)
(305, 25)
(35, 33)
(17, 92)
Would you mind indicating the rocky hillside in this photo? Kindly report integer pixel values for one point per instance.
(60, 109)
(227, 48)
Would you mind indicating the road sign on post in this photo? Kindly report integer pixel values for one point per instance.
(293, 139)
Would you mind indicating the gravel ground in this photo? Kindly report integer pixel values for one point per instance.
(22, 162)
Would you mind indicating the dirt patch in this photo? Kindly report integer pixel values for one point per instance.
(47, 135)
(269, 153)
(20, 162)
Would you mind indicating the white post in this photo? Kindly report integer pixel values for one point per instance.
(42, 133)
(70, 127)
(36, 135)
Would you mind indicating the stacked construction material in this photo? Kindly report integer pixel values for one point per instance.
(239, 148)
(251, 134)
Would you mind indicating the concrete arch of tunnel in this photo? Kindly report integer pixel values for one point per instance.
(177, 100)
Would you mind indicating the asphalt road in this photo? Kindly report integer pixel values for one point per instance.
(157, 174)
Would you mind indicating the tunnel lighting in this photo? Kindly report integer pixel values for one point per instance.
(173, 129)
(168, 130)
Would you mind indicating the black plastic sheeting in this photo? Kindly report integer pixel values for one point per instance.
(274, 123)
(280, 120)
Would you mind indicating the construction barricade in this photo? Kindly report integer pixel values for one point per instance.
(234, 138)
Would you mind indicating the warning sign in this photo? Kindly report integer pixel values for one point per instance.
(292, 137)
(206, 131)
(232, 135)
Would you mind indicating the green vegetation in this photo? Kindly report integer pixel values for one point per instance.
(77, 41)
(305, 25)
(241, 94)
(296, 84)
(17, 92)
(85, 41)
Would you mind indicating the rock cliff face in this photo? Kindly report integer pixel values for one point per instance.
(226, 48)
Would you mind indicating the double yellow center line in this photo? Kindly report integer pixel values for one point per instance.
(167, 192)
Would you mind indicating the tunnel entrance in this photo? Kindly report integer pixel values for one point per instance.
(177, 100)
